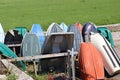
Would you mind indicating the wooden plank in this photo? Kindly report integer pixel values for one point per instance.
(14, 70)
(3, 77)
(41, 56)
(14, 45)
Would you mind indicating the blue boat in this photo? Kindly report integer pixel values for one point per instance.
(77, 36)
(58, 43)
(64, 27)
(37, 29)
(30, 45)
(87, 29)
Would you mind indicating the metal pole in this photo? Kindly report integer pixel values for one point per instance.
(73, 65)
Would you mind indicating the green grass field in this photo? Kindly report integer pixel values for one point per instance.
(27, 12)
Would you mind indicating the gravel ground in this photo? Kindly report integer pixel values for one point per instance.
(116, 37)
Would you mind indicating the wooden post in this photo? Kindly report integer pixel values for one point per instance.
(14, 50)
(0, 57)
(34, 66)
(69, 65)
(73, 65)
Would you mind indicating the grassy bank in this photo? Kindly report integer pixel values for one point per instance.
(27, 12)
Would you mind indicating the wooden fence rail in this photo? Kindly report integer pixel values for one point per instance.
(33, 58)
(40, 56)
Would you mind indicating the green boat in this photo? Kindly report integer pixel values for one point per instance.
(107, 34)
(9, 53)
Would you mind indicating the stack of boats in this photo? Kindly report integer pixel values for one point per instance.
(110, 59)
(94, 45)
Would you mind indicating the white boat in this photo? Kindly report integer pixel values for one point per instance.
(54, 28)
(2, 35)
(111, 59)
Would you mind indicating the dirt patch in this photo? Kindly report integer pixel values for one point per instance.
(113, 27)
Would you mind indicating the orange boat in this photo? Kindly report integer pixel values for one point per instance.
(79, 26)
(90, 62)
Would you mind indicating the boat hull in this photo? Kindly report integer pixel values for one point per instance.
(110, 58)
(90, 62)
